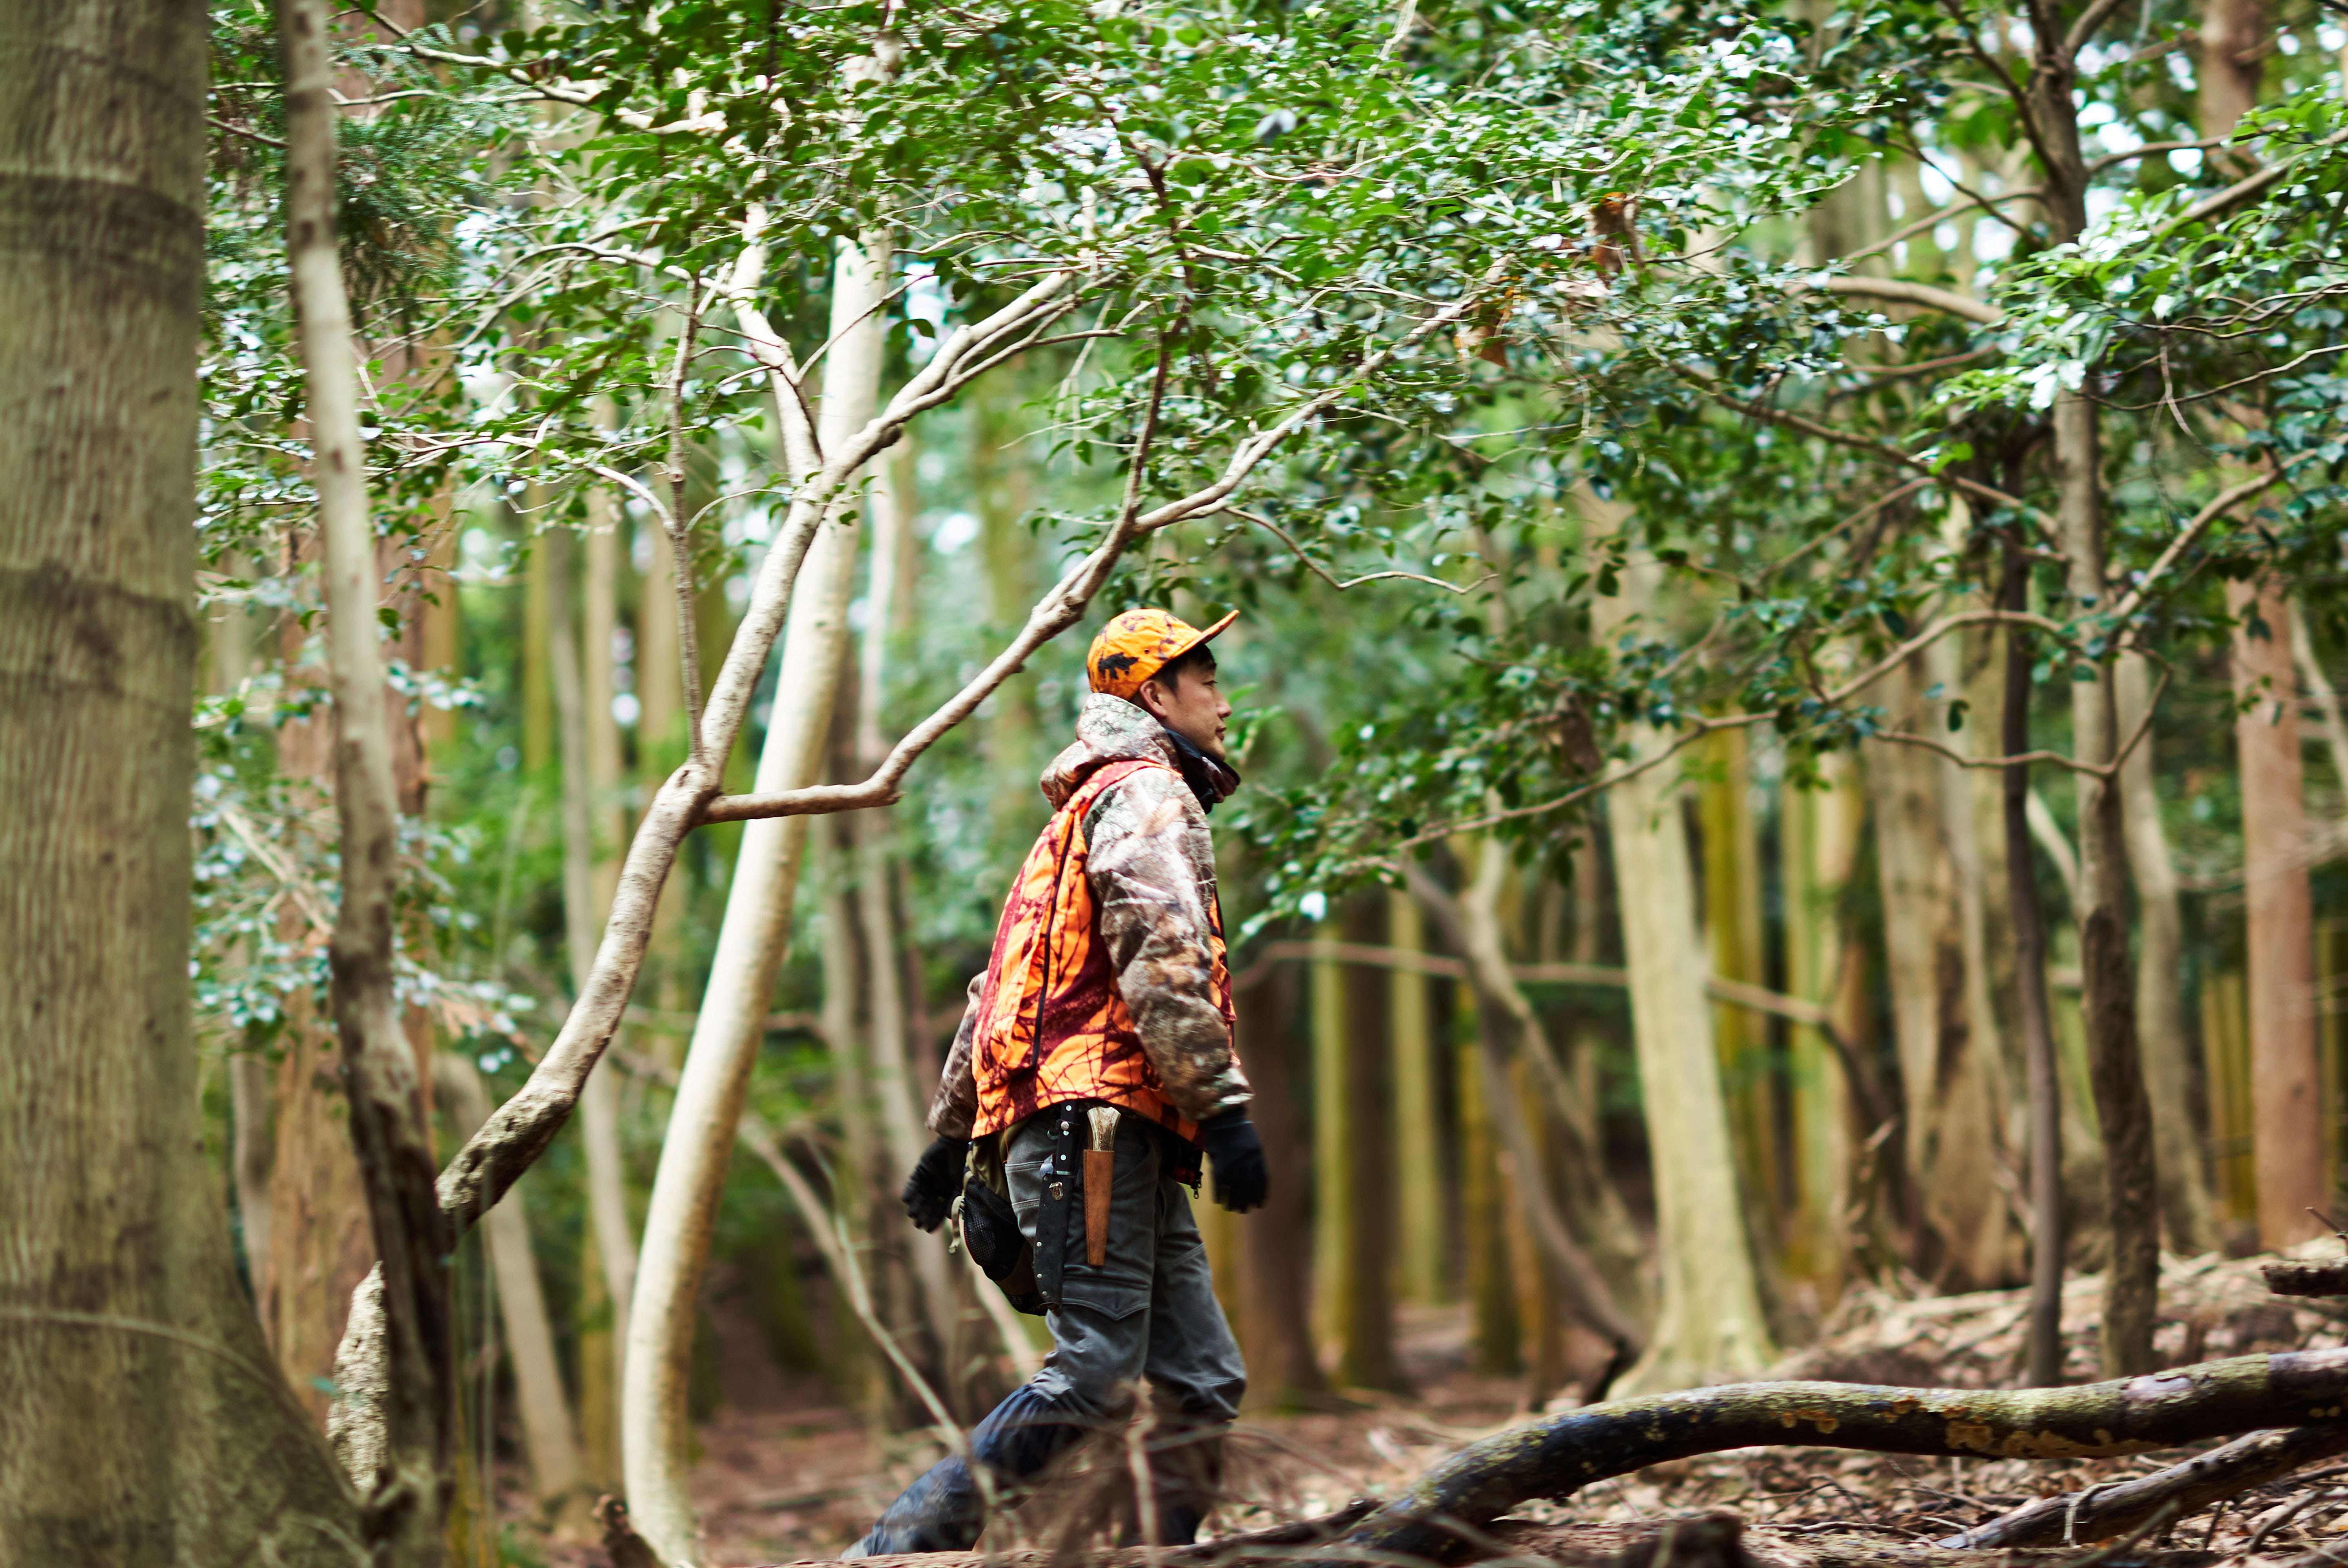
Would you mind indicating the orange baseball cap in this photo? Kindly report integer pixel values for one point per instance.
(1139, 644)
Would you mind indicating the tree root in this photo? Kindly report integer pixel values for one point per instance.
(1555, 1457)
(2102, 1512)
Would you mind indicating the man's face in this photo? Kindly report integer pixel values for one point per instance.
(1191, 706)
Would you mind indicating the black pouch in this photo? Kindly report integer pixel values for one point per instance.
(991, 1234)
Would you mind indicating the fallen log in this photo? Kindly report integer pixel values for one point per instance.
(2329, 1277)
(1556, 1457)
(2114, 1507)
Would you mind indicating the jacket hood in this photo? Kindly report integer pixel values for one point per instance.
(1111, 729)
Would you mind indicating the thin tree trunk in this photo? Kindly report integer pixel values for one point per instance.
(1819, 847)
(2286, 1107)
(1944, 1049)
(656, 1430)
(1709, 1325)
(1418, 1168)
(584, 912)
(2046, 1087)
(1732, 928)
(1365, 1357)
(1495, 1334)
(1275, 1321)
(2160, 981)
(557, 1475)
(140, 1392)
(1333, 1195)
(2108, 987)
(1509, 1031)
(889, 1038)
(409, 1487)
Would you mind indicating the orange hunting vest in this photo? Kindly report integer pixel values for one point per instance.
(1052, 1025)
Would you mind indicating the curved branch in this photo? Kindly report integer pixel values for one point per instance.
(2118, 1506)
(1946, 301)
(1556, 1457)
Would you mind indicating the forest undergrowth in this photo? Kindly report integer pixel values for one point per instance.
(785, 1476)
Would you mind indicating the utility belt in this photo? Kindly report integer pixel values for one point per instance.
(1079, 1173)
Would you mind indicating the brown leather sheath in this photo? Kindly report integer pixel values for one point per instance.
(1100, 1175)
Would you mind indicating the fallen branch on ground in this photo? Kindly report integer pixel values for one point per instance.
(2101, 1511)
(1557, 1457)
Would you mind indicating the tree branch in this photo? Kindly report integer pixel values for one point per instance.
(1556, 1457)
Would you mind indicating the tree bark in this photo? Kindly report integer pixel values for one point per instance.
(1556, 1457)
(1820, 831)
(408, 1494)
(2185, 1200)
(1418, 1168)
(656, 1430)
(146, 1423)
(1274, 1319)
(1710, 1324)
(2107, 988)
(2037, 1028)
(584, 910)
(1732, 930)
(1364, 1322)
(2102, 1512)
(557, 1474)
(2286, 1104)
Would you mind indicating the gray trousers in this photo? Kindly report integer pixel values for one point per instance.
(1147, 1314)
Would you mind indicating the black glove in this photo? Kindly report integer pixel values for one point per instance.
(1241, 1182)
(931, 1190)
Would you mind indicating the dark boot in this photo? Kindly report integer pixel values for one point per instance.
(944, 1511)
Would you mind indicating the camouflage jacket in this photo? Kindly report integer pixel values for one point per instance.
(1149, 869)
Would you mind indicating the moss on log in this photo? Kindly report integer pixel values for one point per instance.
(1557, 1457)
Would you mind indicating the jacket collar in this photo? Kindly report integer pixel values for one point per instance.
(1111, 729)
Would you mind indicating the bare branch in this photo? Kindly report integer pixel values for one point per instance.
(1322, 572)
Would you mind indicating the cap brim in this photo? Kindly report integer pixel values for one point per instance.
(1201, 640)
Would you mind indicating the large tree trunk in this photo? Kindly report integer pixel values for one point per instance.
(1732, 930)
(2160, 981)
(146, 1424)
(1710, 1324)
(1364, 1322)
(655, 1431)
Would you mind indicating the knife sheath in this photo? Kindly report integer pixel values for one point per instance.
(1100, 1174)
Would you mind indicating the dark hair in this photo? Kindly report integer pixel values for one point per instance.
(1200, 659)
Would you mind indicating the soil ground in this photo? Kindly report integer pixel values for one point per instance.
(785, 1477)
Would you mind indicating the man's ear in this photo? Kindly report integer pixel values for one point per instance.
(1152, 695)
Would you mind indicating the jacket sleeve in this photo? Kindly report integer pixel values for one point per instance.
(1152, 867)
(953, 1109)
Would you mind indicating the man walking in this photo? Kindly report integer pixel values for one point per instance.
(1093, 1069)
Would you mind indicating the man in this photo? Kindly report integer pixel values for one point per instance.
(1092, 1067)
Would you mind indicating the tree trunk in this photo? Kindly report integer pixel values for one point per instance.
(889, 1038)
(140, 1393)
(1820, 846)
(1732, 930)
(1555, 1457)
(1495, 1332)
(1415, 1136)
(585, 907)
(2286, 1107)
(656, 1430)
(1332, 1194)
(557, 1475)
(1365, 1357)
(2045, 1086)
(1946, 1049)
(1274, 1319)
(2160, 981)
(408, 1491)
(2108, 987)
(1710, 1324)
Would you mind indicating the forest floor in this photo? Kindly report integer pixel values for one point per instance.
(785, 1478)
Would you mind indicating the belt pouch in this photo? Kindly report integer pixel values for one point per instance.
(1059, 1185)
